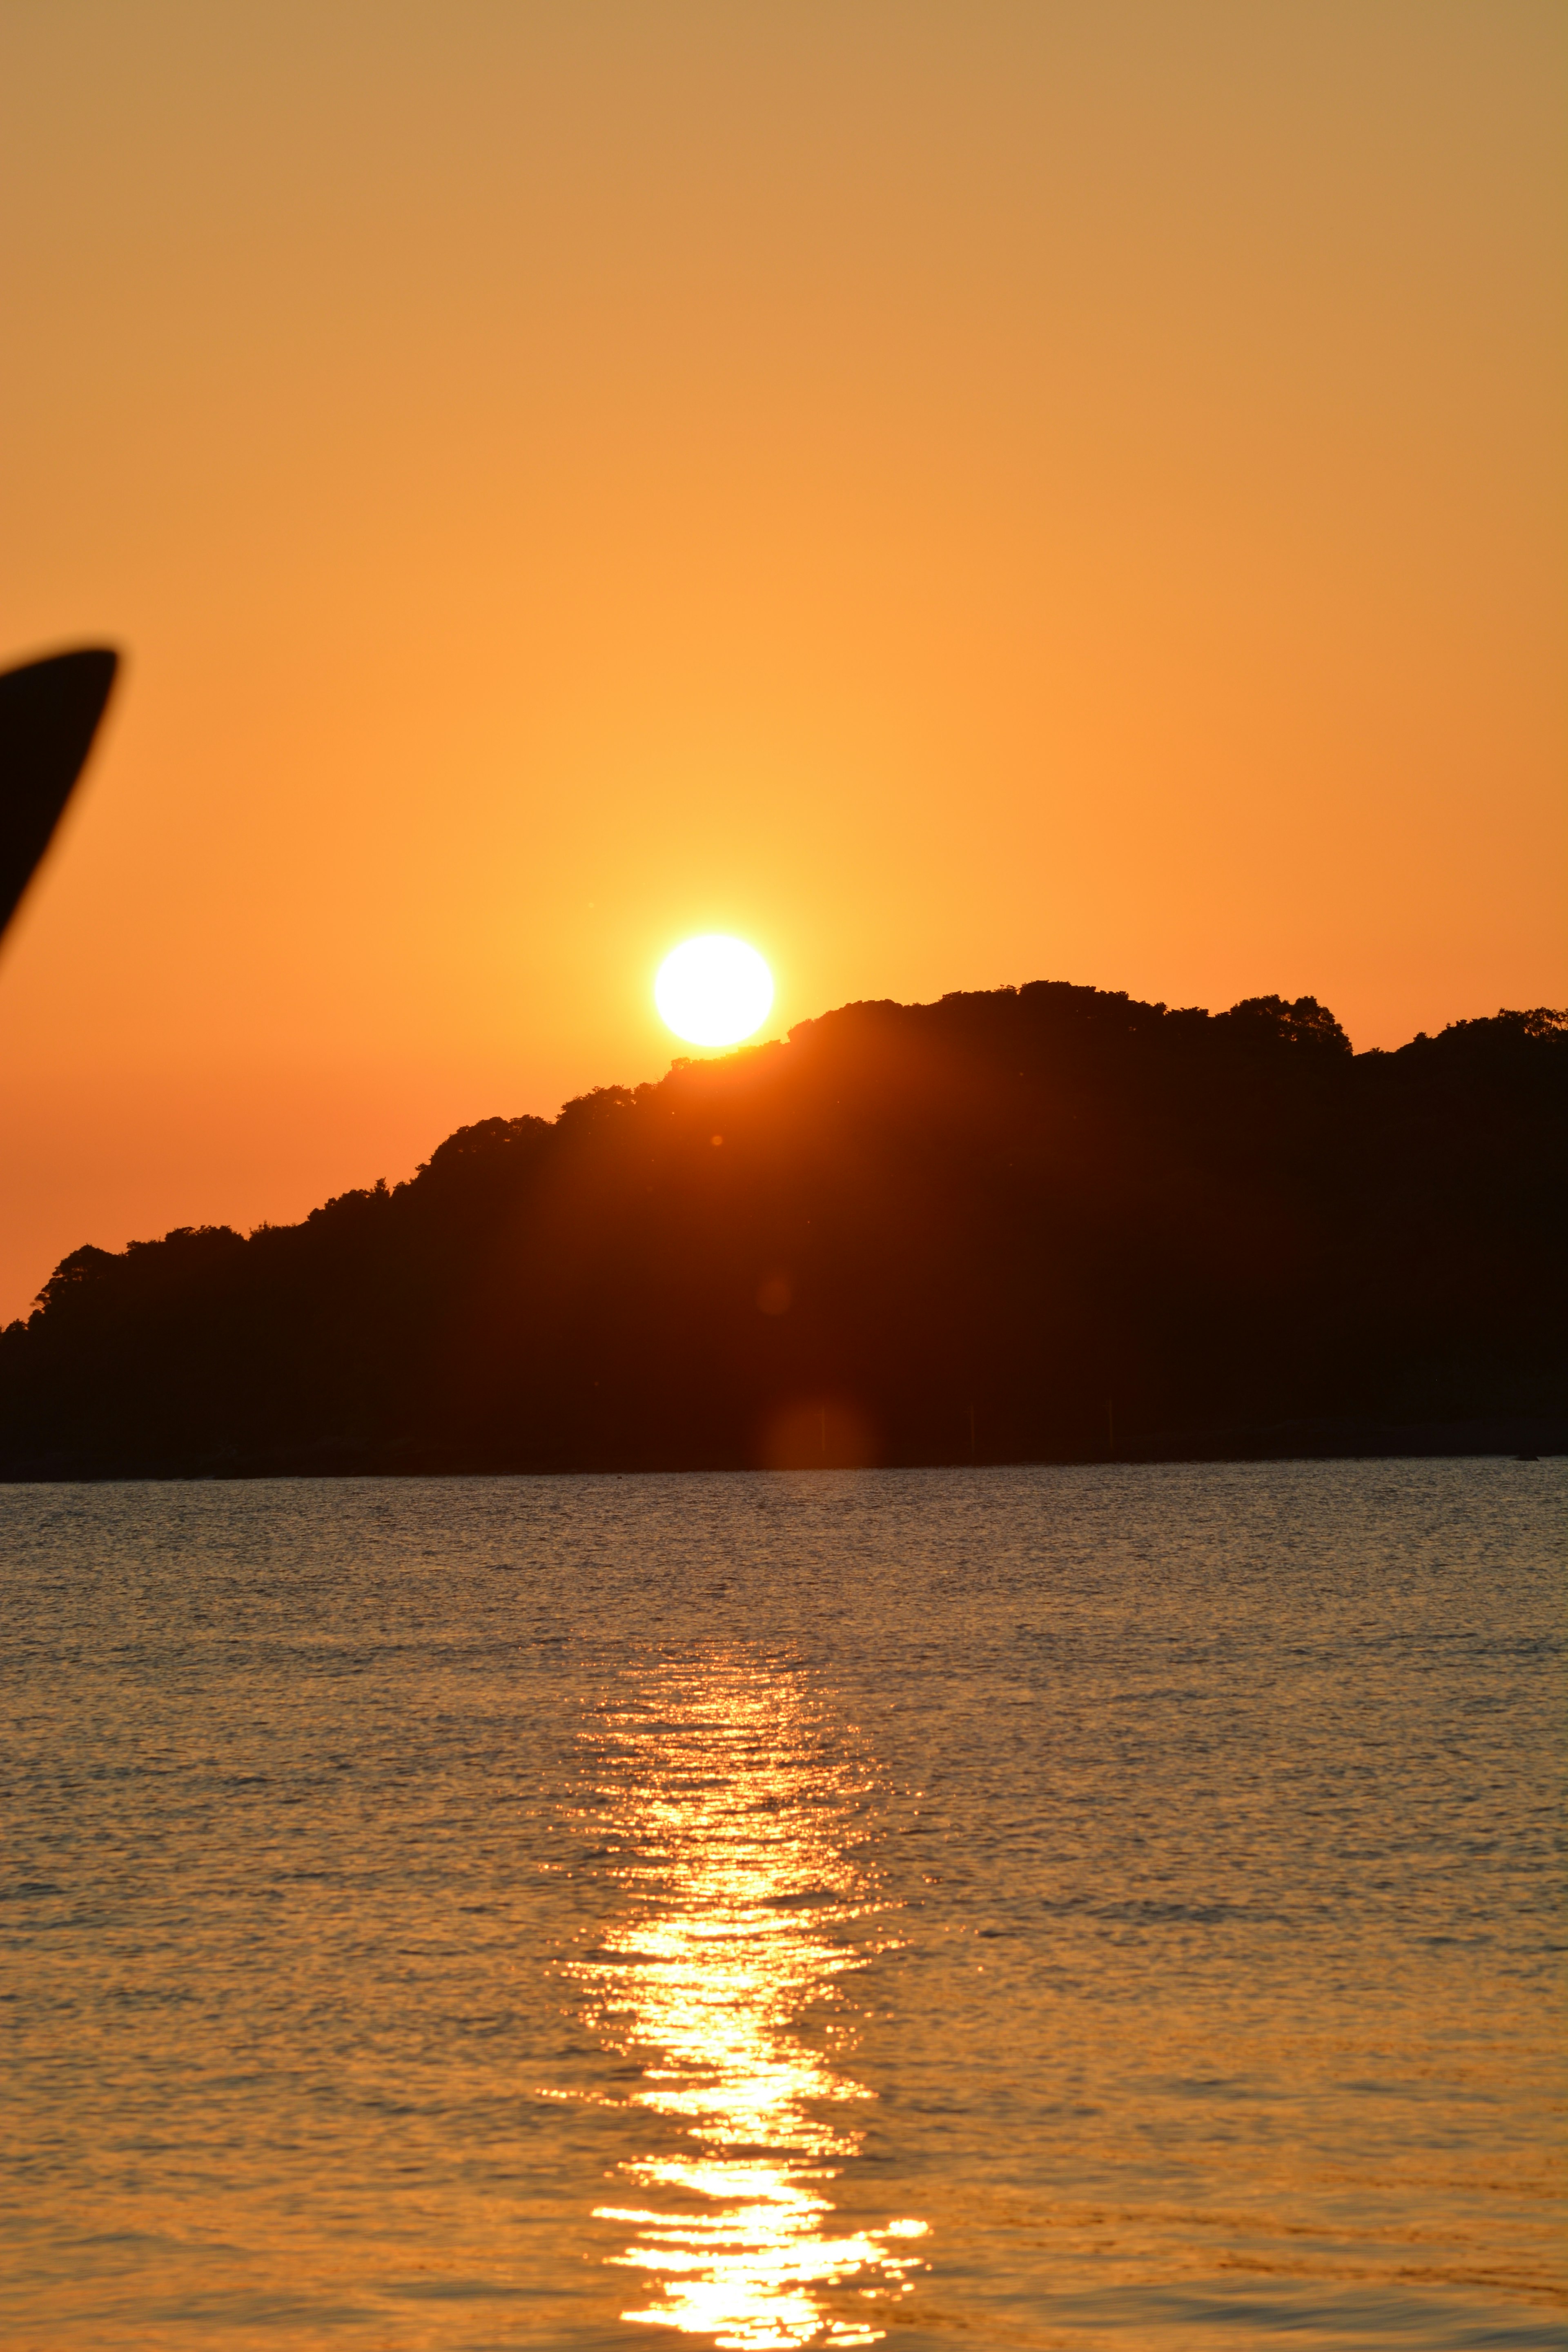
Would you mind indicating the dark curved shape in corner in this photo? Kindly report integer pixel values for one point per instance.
(50, 712)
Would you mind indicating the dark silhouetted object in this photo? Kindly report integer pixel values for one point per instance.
(50, 712)
(1045, 1223)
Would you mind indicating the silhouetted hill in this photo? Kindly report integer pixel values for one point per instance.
(1030, 1224)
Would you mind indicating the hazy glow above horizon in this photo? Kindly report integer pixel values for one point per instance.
(713, 991)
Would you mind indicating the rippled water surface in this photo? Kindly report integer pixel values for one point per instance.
(1112, 1908)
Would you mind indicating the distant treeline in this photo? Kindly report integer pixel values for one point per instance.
(1043, 1224)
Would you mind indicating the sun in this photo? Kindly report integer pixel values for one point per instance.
(713, 991)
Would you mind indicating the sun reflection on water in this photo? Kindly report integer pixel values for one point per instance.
(731, 1809)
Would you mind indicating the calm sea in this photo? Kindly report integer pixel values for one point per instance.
(1114, 1908)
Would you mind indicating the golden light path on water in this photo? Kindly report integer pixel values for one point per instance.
(732, 1806)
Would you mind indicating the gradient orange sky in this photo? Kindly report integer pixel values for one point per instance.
(954, 494)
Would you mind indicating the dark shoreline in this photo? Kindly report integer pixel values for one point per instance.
(1042, 1224)
(1516, 1439)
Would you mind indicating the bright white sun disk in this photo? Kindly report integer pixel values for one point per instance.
(713, 991)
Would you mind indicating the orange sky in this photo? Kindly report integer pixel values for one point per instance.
(956, 494)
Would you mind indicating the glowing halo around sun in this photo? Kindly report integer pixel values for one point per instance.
(713, 991)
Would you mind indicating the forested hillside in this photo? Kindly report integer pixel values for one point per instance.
(1041, 1223)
